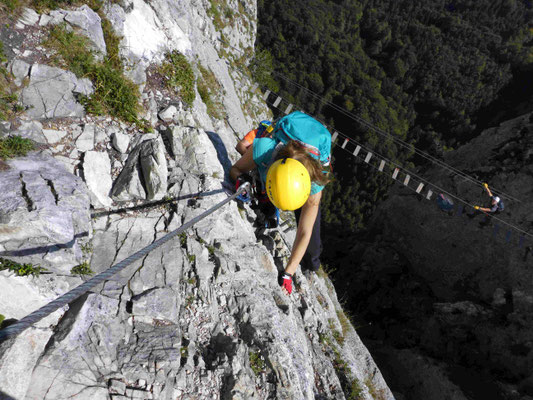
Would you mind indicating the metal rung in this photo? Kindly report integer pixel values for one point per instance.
(267, 93)
(395, 173)
(368, 157)
(345, 143)
(334, 137)
(381, 165)
(276, 103)
(428, 196)
(357, 150)
(419, 188)
(288, 109)
(254, 87)
(406, 180)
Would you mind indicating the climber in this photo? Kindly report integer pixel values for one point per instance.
(264, 128)
(293, 165)
(496, 202)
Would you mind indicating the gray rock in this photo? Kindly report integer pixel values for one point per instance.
(20, 70)
(29, 17)
(67, 163)
(128, 184)
(45, 20)
(85, 141)
(50, 93)
(154, 168)
(90, 25)
(175, 136)
(121, 141)
(56, 17)
(53, 136)
(161, 304)
(101, 136)
(116, 386)
(5, 127)
(46, 206)
(97, 174)
(168, 113)
(83, 86)
(137, 74)
(31, 130)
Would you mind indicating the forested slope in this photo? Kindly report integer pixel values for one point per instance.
(429, 72)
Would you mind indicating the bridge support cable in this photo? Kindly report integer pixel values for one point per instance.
(396, 140)
(24, 323)
(375, 129)
(408, 175)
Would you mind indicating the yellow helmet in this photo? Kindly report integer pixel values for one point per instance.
(288, 184)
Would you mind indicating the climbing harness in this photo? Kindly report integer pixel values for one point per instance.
(24, 323)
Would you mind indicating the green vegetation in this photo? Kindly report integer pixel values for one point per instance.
(2, 318)
(87, 248)
(256, 362)
(377, 394)
(336, 334)
(83, 269)
(350, 385)
(344, 320)
(14, 146)
(178, 76)
(209, 90)
(11, 7)
(191, 281)
(183, 239)
(114, 94)
(192, 258)
(214, 12)
(8, 99)
(20, 269)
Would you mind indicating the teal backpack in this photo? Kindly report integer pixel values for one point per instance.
(308, 131)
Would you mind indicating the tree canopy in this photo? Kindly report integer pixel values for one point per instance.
(424, 71)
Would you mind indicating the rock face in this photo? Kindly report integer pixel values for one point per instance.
(464, 280)
(50, 93)
(201, 316)
(43, 211)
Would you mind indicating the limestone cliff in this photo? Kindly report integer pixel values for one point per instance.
(202, 317)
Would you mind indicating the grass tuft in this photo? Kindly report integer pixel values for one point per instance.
(83, 269)
(14, 146)
(20, 269)
(178, 76)
(114, 94)
(256, 362)
(209, 89)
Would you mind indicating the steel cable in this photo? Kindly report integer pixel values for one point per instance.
(75, 293)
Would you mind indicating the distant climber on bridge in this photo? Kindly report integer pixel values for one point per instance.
(496, 202)
(293, 164)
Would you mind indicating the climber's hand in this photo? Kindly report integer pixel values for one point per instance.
(285, 281)
(486, 185)
(476, 207)
(241, 180)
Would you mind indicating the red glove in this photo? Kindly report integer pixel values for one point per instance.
(285, 281)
